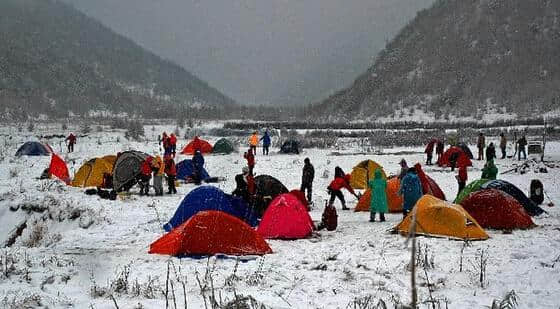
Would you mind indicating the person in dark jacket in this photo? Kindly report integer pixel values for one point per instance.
(335, 189)
(307, 179)
(266, 142)
(404, 169)
(71, 142)
(429, 152)
(411, 190)
(490, 152)
(480, 144)
(503, 144)
(462, 177)
(171, 172)
(242, 185)
(521, 143)
(198, 165)
(439, 149)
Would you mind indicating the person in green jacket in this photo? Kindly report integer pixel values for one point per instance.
(490, 171)
(378, 196)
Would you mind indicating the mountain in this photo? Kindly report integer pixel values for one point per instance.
(480, 59)
(55, 60)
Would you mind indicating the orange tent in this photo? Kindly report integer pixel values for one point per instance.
(211, 232)
(394, 200)
(58, 168)
(197, 144)
(435, 217)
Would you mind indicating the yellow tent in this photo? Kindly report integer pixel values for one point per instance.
(435, 217)
(91, 173)
(363, 172)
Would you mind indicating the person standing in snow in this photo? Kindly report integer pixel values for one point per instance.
(490, 152)
(404, 169)
(171, 172)
(429, 152)
(335, 188)
(490, 171)
(250, 159)
(411, 190)
(198, 165)
(503, 144)
(439, 149)
(307, 179)
(173, 144)
(378, 203)
(253, 142)
(462, 177)
(266, 142)
(521, 143)
(481, 143)
(71, 141)
(145, 176)
(159, 169)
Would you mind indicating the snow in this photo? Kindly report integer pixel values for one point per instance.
(78, 260)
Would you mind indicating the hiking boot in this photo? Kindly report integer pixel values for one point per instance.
(345, 208)
(382, 217)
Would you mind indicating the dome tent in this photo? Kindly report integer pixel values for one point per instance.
(211, 232)
(224, 146)
(286, 218)
(460, 156)
(429, 186)
(185, 169)
(90, 174)
(530, 207)
(290, 146)
(363, 172)
(197, 144)
(210, 198)
(267, 188)
(126, 169)
(34, 149)
(470, 188)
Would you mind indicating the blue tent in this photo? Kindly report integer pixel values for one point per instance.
(504, 186)
(33, 149)
(210, 198)
(185, 169)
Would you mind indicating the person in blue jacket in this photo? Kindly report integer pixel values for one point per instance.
(266, 142)
(198, 165)
(411, 190)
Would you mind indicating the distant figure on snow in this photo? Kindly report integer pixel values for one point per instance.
(503, 144)
(307, 179)
(481, 143)
(335, 188)
(266, 142)
(171, 172)
(411, 190)
(253, 142)
(439, 149)
(521, 143)
(490, 152)
(145, 176)
(378, 203)
(198, 165)
(404, 169)
(490, 171)
(159, 169)
(462, 177)
(173, 144)
(250, 160)
(429, 152)
(71, 141)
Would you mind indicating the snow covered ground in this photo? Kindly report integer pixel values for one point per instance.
(83, 252)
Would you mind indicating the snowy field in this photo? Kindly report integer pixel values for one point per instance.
(83, 252)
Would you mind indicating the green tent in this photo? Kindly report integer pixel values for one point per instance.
(470, 188)
(224, 146)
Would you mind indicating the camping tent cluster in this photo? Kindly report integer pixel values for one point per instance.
(222, 146)
(209, 221)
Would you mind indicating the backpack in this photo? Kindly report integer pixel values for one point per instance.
(536, 191)
(330, 218)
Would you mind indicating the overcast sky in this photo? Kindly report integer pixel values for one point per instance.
(262, 51)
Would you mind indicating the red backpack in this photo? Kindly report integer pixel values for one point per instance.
(330, 217)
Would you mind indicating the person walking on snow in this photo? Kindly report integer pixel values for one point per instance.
(378, 203)
(503, 144)
(335, 188)
(307, 179)
(159, 169)
(490, 152)
(411, 190)
(266, 142)
(171, 172)
(481, 144)
(173, 144)
(250, 159)
(166, 144)
(198, 165)
(253, 142)
(462, 177)
(71, 141)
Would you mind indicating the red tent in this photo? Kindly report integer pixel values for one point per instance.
(429, 186)
(462, 157)
(286, 218)
(496, 209)
(197, 144)
(301, 197)
(211, 232)
(58, 168)
(430, 145)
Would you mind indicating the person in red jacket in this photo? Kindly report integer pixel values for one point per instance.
(335, 188)
(250, 157)
(71, 141)
(145, 176)
(171, 172)
(462, 177)
(173, 144)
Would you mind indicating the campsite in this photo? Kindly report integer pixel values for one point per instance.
(64, 248)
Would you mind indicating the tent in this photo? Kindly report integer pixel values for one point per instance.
(223, 145)
(496, 209)
(363, 172)
(530, 207)
(267, 188)
(59, 169)
(197, 143)
(462, 157)
(301, 197)
(210, 198)
(286, 218)
(435, 217)
(34, 149)
(126, 169)
(211, 232)
(394, 200)
(91, 173)
(466, 150)
(290, 146)
(470, 188)
(429, 186)
(110, 158)
(185, 169)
